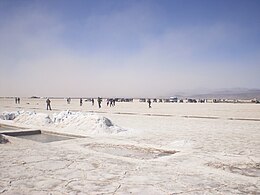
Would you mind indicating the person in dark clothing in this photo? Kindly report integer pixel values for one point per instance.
(149, 103)
(80, 101)
(92, 100)
(68, 100)
(48, 101)
(99, 102)
(114, 102)
(18, 100)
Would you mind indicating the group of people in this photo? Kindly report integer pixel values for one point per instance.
(48, 102)
(80, 101)
(111, 102)
(17, 100)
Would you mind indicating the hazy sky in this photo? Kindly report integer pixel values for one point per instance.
(127, 48)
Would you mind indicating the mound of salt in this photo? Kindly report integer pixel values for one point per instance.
(9, 115)
(71, 122)
(33, 118)
(87, 122)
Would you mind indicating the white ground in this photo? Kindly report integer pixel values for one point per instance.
(216, 155)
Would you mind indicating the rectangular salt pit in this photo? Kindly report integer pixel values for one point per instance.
(31, 134)
(44, 137)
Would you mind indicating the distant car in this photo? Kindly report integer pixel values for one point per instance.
(173, 99)
(192, 101)
(142, 100)
(166, 100)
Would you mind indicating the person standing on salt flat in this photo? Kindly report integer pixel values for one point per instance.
(99, 102)
(48, 101)
(80, 101)
(114, 102)
(149, 103)
(68, 100)
(92, 100)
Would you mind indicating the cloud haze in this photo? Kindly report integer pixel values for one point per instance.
(123, 49)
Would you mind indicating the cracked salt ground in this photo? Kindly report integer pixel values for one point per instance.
(60, 169)
(215, 156)
(76, 180)
(247, 169)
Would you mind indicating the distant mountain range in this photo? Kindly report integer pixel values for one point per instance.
(237, 93)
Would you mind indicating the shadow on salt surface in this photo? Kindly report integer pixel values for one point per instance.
(130, 151)
(3, 139)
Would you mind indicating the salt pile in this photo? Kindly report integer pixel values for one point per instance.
(9, 115)
(85, 123)
(33, 118)
(92, 123)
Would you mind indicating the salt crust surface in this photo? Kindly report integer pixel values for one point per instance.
(215, 156)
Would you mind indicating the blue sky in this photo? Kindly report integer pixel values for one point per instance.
(128, 48)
